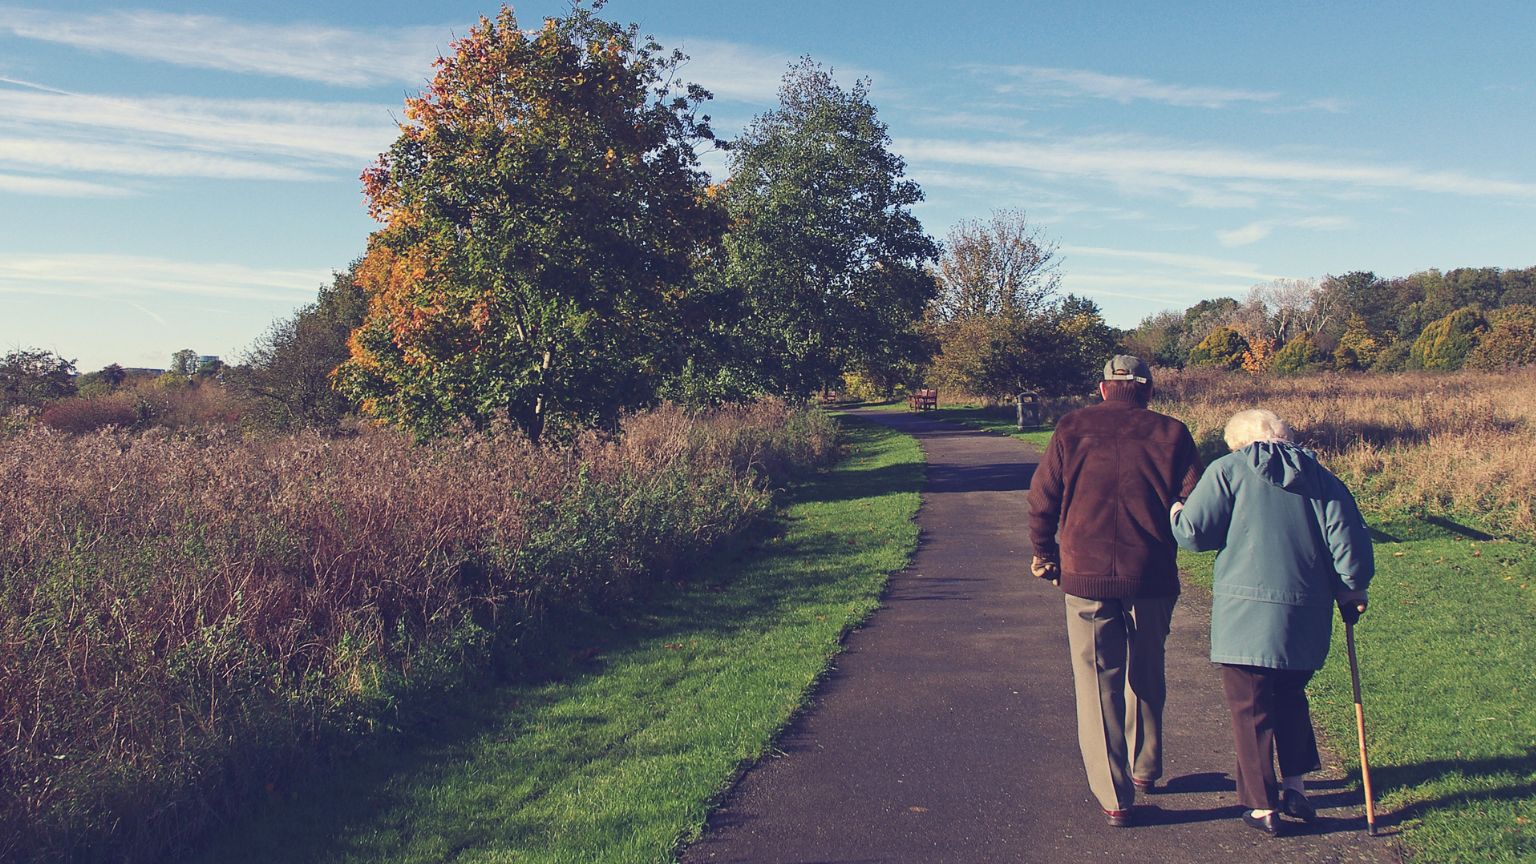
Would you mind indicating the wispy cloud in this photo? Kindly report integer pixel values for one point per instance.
(335, 132)
(59, 187)
(72, 136)
(119, 277)
(1253, 232)
(1124, 89)
(1130, 163)
(328, 55)
(1155, 279)
(733, 71)
(1201, 265)
(89, 157)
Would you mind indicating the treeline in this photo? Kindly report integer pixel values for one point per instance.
(1480, 318)
(551, 256)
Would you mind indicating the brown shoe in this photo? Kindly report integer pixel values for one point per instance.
(1117, 818)
(1145, 787)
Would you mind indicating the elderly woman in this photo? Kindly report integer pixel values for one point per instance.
(1292, 544)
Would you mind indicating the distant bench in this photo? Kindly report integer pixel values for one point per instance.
(923, 400)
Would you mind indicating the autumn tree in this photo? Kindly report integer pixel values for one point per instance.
(824, 256)
(542, 210)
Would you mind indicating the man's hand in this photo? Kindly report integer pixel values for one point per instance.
(1044, 569)
(1351, 605)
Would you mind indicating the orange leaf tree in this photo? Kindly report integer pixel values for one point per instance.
(542, 211)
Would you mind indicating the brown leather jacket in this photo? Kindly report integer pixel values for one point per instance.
(1099, 500)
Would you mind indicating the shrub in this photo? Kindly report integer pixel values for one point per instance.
(1445, 343)
(1299, 356)
(1222, 348)
(185, 614)
(1358, 346)
(89, 413)
(1509, 342)
(1393, 358)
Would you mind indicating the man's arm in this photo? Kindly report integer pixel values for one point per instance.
(1045, 503)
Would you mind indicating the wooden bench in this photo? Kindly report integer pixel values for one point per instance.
(923, 400)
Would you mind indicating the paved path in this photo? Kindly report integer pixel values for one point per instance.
(946, 731)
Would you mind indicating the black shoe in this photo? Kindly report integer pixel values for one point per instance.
(1146, 787)
(1296, 805)
(1268, 824)
(1117, 818)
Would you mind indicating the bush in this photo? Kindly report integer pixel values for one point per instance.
(1222, 348)
(1358, 347)
(1510, 341)
(187, 614)
(1445, 343)
(1393, 358)
(87, 414)
(1299, 356)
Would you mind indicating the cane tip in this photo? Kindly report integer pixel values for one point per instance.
(1370, 829)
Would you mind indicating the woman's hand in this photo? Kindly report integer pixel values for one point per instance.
(1351, 604)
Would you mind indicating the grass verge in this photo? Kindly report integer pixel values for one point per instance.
(1448, 686)
(650, 720)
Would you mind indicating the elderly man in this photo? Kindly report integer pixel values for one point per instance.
(1099, 524)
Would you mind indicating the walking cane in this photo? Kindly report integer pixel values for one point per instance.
(1365, 767)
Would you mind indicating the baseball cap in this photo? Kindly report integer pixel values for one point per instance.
(1125, 367)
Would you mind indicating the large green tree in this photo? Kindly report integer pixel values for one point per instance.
(543, 209)
(823, 252)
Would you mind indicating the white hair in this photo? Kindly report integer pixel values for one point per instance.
(1252, 425)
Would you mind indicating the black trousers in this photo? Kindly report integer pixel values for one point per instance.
(1270, 717)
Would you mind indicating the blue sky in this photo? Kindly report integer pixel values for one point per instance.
(178, 174)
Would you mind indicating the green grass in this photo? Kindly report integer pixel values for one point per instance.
(1448, 672)
(621, 758)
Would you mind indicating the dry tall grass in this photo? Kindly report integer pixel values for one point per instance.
(1457, 443)
(181, 612)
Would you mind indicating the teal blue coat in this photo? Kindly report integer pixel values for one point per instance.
(1290, 536)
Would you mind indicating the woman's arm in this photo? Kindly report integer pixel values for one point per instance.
(1201, 524)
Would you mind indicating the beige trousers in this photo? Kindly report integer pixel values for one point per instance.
(1117, 669)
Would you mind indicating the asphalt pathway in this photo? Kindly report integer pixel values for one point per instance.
(945, 732)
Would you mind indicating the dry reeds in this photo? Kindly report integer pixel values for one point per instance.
(1456, 443)
(181, 611)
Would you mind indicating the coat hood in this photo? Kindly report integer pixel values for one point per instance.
(1282, 464)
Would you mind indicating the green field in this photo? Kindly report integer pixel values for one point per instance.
(621, 756)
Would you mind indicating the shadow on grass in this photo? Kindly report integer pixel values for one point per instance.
(1458, 528)
(734, 593)
(1507, 778)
